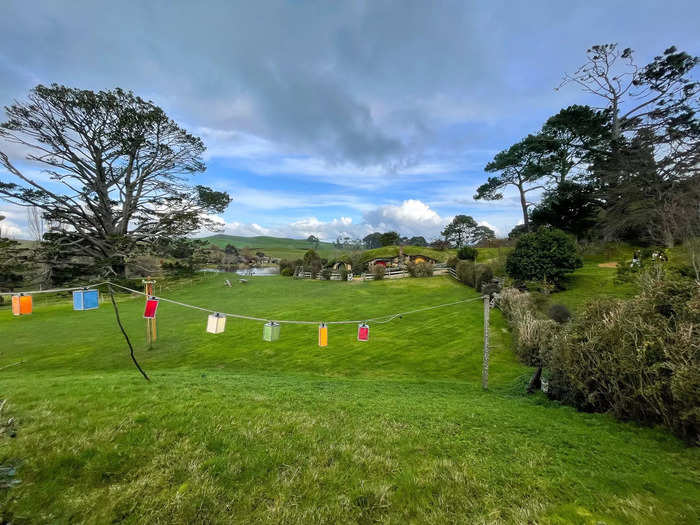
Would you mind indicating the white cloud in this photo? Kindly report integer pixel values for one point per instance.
(412, 217)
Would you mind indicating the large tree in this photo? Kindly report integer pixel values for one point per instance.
(464, 230)
(572, 207)
(521, 166)
(117, 171)
(653, 156)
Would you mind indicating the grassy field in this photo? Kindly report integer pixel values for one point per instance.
(274, 246)
(234, 429)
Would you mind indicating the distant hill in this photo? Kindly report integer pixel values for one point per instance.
(273, 246)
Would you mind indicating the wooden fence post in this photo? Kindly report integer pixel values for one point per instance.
(485, 368)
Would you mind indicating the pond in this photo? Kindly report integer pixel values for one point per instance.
(260, 272)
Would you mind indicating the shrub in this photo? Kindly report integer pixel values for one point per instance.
(465, 272)
(452, 262)
(545, 255)
(286, 264)
(343, 274)
(484, 274)
(638, 358)
(421, 269)
(467, 253)
(326, 274)
(532, 336)
(559, 313)
(379, 272)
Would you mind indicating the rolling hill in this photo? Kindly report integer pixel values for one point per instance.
(273, 246)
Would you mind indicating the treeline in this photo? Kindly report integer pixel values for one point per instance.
(626, 170)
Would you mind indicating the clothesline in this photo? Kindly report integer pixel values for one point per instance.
(376, 320)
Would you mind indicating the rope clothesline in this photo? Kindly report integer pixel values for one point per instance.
(376, 320)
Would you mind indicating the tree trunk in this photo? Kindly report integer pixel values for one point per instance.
(535, 382)
(523, 203)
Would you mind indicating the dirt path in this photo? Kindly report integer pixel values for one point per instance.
(608, 265)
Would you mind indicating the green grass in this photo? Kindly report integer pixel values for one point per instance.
(275, 246)
(233, 429)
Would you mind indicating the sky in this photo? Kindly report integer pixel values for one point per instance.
(335, 118)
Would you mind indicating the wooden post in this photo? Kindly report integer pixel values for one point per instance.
(151, 334)
(485, 368)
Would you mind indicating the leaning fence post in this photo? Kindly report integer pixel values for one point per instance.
(485, 368)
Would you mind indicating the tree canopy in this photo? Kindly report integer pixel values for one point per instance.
(118, 169)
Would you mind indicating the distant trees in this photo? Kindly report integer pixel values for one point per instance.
(415, 241)
(373, 240)
(464, 230)
(230, 249)
(389, 239)
(313, 240)
(117, 165)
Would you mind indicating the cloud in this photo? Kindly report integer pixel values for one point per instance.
(411, 217)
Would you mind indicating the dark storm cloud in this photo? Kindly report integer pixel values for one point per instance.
(369, 83)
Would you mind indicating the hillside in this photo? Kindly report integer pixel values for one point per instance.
(281, 247)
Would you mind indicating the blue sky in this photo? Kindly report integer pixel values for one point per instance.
(336, 117)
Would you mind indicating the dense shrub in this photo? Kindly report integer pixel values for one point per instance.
(467, 253)
(559, 313)
(287, 267)
(421, 269)
(452, 262)
(326, 274)
(545, 255)
(343, 274)
(484, 274)
(378, 271)
(638, 359)
(465, 271)
(532, 336)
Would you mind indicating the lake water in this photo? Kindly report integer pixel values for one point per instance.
(260, 272)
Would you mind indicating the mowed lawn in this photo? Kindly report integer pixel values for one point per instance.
(235, 429)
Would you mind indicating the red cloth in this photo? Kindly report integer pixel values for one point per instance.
(151, 307)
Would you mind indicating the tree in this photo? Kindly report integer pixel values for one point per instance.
(467, 253)
(573, 137)
(373, 240)
(570, 207)
(544, 255)
(117, 165)
(654, 137)
(312, 262)
(459, 231)
(13, 263)
(230, 249)
(314, 241)
(389, 239)
(520, 166)
(417, 241)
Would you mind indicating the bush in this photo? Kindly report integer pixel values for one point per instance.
(638, 359)
(379, 272)
(287, 267)
(484, 274)
(343, 274)
(465, 271)
(545, 255)
(532, 336)
(452, 262)
(421, 269)
(559, 313)
(467, 253)
(326, 274)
